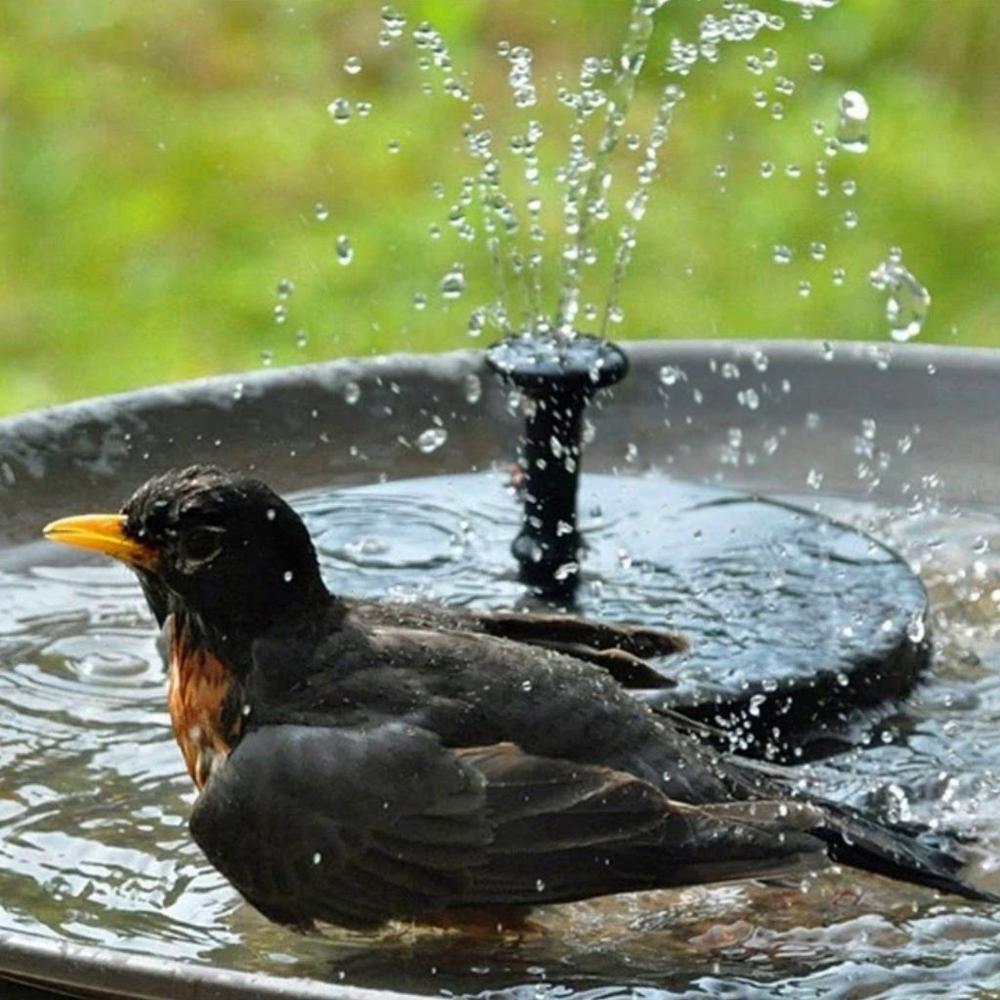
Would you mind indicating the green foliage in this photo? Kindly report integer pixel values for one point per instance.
(161, 164)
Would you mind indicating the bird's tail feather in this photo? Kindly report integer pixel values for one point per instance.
(853, 839)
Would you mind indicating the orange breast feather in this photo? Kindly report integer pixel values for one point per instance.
(198, 686)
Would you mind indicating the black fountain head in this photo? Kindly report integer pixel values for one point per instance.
(559, 374)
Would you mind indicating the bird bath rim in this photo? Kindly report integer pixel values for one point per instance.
(101, 447)
(95, 449)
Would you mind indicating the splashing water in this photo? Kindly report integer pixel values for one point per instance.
(510, 224)
(907, 301)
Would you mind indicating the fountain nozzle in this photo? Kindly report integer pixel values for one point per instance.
(558, 374)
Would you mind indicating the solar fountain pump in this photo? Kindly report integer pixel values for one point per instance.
(558, 373)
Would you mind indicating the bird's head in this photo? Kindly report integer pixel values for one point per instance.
(223, 549)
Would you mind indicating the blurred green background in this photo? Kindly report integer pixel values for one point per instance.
(161, 164)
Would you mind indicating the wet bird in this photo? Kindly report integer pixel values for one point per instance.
(363, 762)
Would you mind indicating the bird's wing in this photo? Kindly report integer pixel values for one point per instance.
(622, 649)
(351, 826)
(357, 826)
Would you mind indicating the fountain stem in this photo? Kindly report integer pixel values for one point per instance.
(559, 375)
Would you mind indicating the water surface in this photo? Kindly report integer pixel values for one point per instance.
(94, 796)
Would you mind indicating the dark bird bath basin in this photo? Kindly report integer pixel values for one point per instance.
(400, 465)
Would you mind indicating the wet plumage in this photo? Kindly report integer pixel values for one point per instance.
(360, 762)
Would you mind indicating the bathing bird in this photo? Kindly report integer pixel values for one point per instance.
(362, 762)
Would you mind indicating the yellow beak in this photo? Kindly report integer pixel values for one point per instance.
(101, 533)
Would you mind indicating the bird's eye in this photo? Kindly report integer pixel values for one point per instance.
(199, 545)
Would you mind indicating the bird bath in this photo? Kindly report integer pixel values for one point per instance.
(102, 890)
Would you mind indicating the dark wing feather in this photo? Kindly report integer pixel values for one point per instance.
(347, 826)
(565, 831)
(620, 648)
(360, 826)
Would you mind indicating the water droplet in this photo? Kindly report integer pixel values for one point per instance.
(566, 570)
(340, 110)
(805, 288)
(301, 337)
(526, 685)
(317, 858)
(393, 24)
(393, 146)
(539, 885)
(781, 254)
(473, 388)
(419, 301)
(344, 250)
(907, 300)
(850, 219)
(432, 439)
(321, 212)
(352, 393)
(287, 576)
(767, 170)
(280, 313)
(814, 479)
(671, 375)
(817, 250)
(816, 62)
(285, 288)
(852, 123)
(453, 283)
(839, 276)
(849, 187)
(352, 65)
(916, 628)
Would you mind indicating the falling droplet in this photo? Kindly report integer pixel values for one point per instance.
(285, 288)
(781, 254)
(671, 375)
(453, 283)
(340, 110)
(816, 62)
(352, 393)
(321, 212)
(852, 124)
(907, 301)
(432, 439)
(345, 252)
(352, 65)
(473, 388)
(477, 321)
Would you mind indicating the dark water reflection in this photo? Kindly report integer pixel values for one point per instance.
(94, 799)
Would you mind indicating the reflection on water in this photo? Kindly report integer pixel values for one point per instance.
(94, 798)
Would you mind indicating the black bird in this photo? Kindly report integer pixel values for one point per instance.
(361, 762)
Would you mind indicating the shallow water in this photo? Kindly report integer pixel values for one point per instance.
(94, 797)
